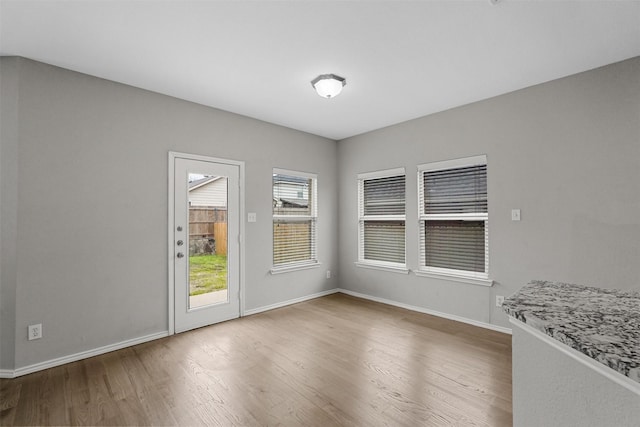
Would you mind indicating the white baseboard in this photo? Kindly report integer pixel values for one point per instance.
(428, 311)
(6, 373)
(289, 302)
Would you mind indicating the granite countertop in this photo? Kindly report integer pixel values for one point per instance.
(603, 324)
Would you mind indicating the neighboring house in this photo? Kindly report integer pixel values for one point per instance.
(290, 191)
(207, 215)
(209, 191)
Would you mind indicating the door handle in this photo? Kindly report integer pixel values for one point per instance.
(179, 242)
(180, 255)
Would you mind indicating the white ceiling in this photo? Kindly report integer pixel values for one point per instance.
(401, 59)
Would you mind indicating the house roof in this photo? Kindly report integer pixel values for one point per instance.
(202, 181)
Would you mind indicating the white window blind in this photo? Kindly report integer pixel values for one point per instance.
(381, 200)
(453, 215)
(294, 218)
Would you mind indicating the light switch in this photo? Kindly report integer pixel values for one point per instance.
(251, 217)
(515, 214)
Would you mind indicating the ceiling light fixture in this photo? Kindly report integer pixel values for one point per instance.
(328, 85)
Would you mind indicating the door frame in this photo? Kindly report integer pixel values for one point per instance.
(171, 225)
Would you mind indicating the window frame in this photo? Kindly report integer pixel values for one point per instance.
(465, 276)
(376, 264)
(312, 262)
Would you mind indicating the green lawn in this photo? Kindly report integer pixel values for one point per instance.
(207, 273)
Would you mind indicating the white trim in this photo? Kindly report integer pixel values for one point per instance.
(279, 269)
(295, 174)
(383, 218)
(312, 218)
(382, 174)
(460, 217)
(362, 219)
(289, 302)
(171, 223)
(453, 277)
(423, 218)
(189, 156)
(587, 361)
(454, 163)
(241, 230)
(80, 356)
(294, 218)
(384, 267)
(428, 311)
(6, 373)
(170, 244)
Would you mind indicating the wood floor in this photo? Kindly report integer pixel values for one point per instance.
(332, 361)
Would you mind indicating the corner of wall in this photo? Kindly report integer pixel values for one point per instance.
(9, 104)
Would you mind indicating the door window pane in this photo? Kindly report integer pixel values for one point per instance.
(207, 199)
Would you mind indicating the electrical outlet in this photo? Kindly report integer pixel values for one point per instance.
(499, 300)
(35, 331)
(328, 274)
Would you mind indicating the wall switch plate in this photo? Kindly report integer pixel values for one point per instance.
(252, 217)
(328, 274)
(499, 300)
(515, 214)
(35, 331)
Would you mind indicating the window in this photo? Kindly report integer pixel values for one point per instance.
(381, 207)
(294, 220)
(453, 215)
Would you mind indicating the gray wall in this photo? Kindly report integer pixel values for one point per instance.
(9, 84)
(85, 149)
(75, 150)
(567, 153)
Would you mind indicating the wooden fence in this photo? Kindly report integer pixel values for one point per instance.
(209, 223)
(220, 233)
(291, 241)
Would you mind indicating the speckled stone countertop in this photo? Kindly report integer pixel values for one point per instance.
(603, 324)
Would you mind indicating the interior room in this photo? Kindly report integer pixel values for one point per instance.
(104, 107)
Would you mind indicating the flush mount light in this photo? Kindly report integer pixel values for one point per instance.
(328, 85)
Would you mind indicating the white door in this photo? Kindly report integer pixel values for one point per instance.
(205, 243)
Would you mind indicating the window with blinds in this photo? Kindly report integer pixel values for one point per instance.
(294, 219)
(453, 215)
(381, 201)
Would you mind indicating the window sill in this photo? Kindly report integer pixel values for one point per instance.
(455, 278)
(288, 268)
(391, 268)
